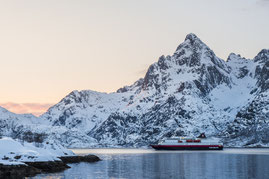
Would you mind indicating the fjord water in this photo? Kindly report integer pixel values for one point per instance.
(147, 163)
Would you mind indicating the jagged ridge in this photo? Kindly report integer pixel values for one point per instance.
(190, 92)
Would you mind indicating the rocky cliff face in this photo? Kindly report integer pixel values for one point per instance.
(190, 92)
(251, 123)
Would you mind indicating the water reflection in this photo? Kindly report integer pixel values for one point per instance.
(171, 165)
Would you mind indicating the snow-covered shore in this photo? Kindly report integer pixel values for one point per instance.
(18, 158)
(13, 152)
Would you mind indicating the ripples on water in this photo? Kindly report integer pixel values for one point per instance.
(136, 163)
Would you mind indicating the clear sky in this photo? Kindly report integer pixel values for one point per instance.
(50, 47)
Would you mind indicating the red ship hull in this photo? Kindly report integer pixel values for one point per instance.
(187, 147)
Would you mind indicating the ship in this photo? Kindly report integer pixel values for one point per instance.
(188, 143)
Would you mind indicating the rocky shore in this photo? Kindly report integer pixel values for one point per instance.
(77, 159)
(30, 169)
(17, 171)
(19, 159)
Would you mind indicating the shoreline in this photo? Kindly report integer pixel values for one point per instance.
(31, 169)
(152, 148)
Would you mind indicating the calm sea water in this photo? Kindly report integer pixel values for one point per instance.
(139, 163)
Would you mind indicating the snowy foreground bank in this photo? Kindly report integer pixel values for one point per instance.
(19, 158)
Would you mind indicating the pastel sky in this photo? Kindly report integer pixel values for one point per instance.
(50, 47)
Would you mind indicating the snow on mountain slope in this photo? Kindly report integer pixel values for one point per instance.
(85, 109)
(190, 92)
(30, 128)
(251, 124)
(242, 72)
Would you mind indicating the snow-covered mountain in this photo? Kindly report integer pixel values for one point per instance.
(190, 92)
(29, 128)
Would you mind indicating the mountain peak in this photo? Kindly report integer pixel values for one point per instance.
(264, 51)
(191, 37)
(263, 56)
(233, 57)
(191, 40)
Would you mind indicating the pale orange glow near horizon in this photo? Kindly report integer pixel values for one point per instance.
(25, 108)
(50, 48)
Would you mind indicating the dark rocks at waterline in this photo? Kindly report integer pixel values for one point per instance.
(17, 171)
(33, 168)
(50, 166)
(76, 159)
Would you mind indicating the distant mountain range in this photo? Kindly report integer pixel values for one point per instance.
(190, 92)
